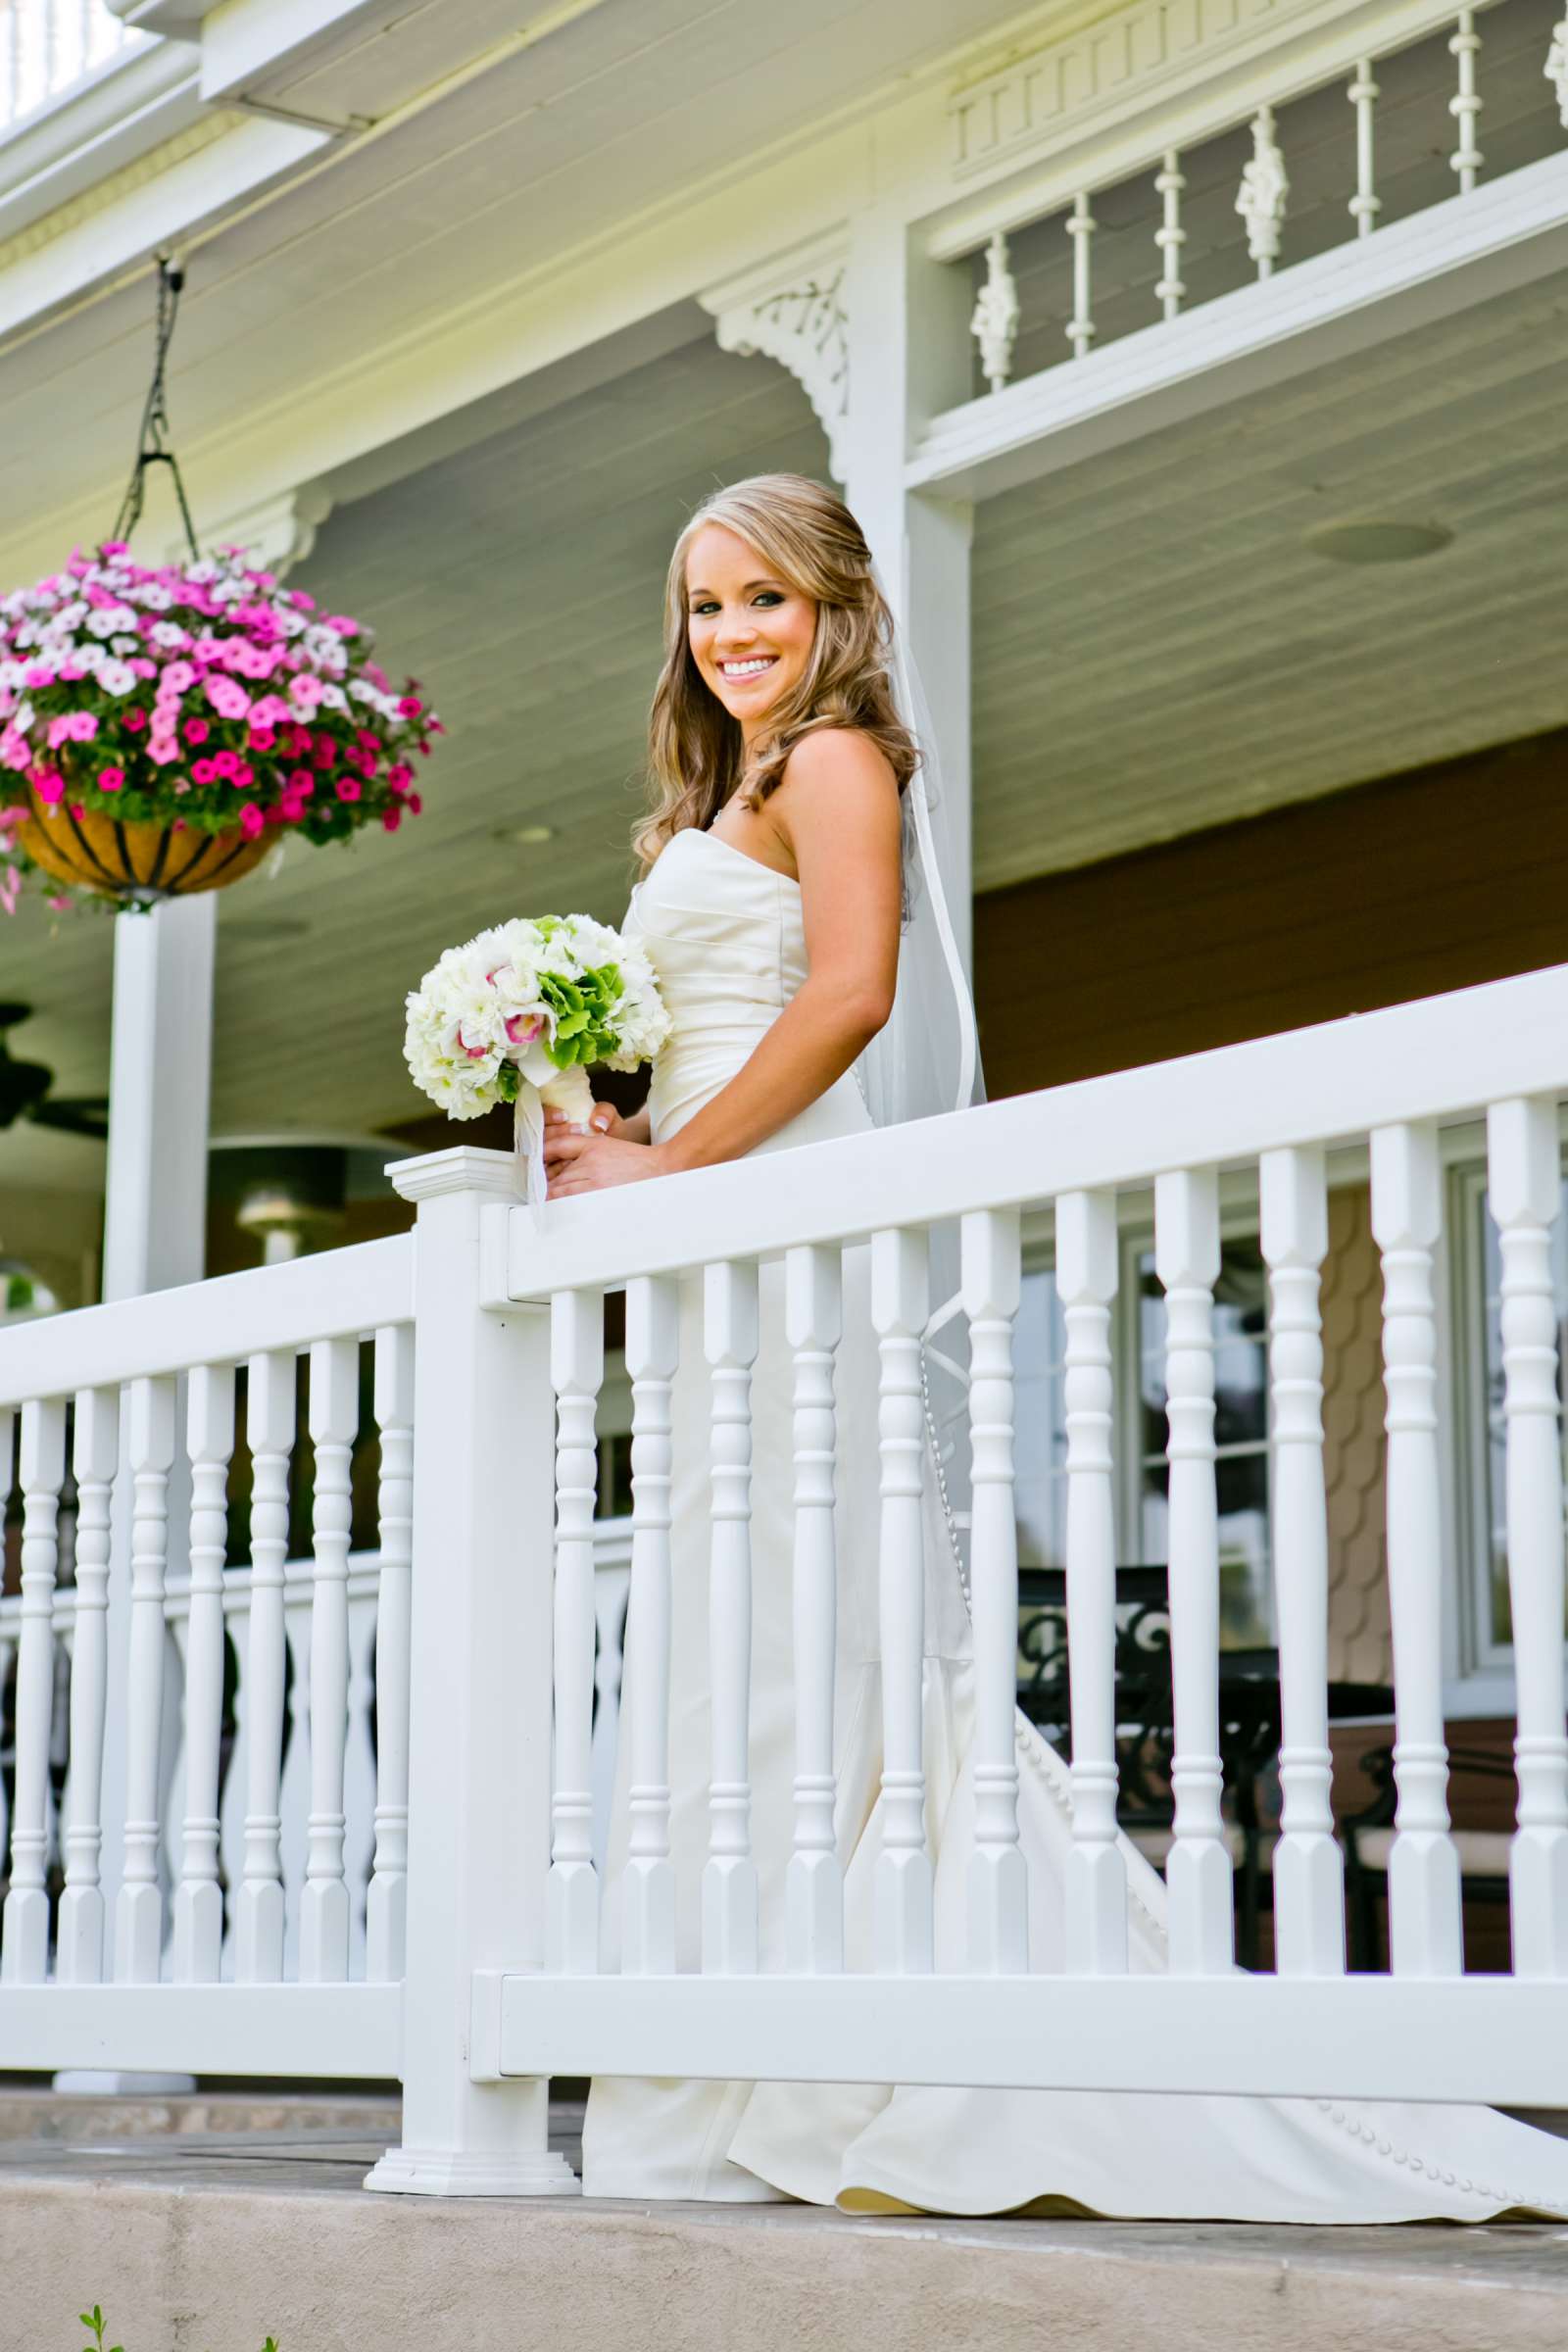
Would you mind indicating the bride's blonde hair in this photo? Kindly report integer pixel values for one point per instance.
(806, 534)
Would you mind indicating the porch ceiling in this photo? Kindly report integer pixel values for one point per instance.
(1154, 650)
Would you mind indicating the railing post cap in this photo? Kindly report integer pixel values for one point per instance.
(462, 1168)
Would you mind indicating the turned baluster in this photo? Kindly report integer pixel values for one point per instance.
(198, 1899)
(1308, 1874)
(999, 1887)
(25, 1936)
(1198, 1870)
(578, 1367)
(386, 1904)
(813, 1313)
(1096, 1887)
(729, 1876)
(95, 1455)
(653, 1352)
(1424, 1903)
(270, 1435)
(900, 1306)
(1524, 1185)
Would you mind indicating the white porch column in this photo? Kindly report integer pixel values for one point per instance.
(910, 353)
(159, 1077)
(479, 1721)
(878, 336)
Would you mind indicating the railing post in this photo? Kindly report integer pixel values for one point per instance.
(480, 1691)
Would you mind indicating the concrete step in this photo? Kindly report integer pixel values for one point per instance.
(198, 2240)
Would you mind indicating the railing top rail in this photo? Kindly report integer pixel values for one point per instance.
(222, 1321)
(1442, 1058)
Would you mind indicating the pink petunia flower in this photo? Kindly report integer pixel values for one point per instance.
(414, 803)
(134, 720)
(391, 818)
(161, 748)
(251, 820)
(197, 730)
(410, 706)
(400, 775)
(203, 772)
(263, 738)
(224, 763)
(349, 788)
(110, 779)
(48, 785)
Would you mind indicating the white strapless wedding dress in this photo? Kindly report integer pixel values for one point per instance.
(727, 940)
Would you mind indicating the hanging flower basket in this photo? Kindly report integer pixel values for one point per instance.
(162, 728)
(144, 862)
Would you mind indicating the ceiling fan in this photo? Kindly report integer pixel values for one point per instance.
(24, 1089)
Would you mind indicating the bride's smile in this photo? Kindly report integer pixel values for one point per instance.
(750, 633)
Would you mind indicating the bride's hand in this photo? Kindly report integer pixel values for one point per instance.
(605, 1120)
(593, 1162)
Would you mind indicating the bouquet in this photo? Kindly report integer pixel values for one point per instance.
(200, 696)
(518, 1016)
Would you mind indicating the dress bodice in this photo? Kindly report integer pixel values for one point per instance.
(726, 938)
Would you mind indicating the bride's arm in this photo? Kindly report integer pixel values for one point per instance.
(837, 813)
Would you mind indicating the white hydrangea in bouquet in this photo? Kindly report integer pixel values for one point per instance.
(521, 1013)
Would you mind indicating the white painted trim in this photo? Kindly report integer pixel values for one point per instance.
(130, 106)
(1493, 2039)
(1104, 101)
(245, 41)
(334, 2029)
(166, 205)
(1355, 296)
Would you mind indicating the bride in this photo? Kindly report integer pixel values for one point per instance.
(791, 898)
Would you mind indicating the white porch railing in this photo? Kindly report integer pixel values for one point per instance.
(487, 1340)
(49, 47)
(1163, 188)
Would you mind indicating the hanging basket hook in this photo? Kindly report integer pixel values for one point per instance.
(153, 444)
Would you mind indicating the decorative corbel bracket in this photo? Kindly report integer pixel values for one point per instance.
(277, 532)
(792, 310)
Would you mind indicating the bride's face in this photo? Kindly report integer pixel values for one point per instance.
(751, 633)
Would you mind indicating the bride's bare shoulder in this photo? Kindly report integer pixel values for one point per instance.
(830, 761)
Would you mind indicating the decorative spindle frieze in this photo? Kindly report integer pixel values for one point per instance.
(1198, 1870)
(386, 1904)
(1424, 1924)
(900, 1306)
(334, 1418)
(578, 1370)
(1261, 197)
(1309, 1870)
(730, 1332)
(41, 1469)
(1096, 1873)
(1465, 106)
(270, 1434)
(199, 1899)
(1171, 236)
(648, 1902)
(95, 1451)
(1081, 226)
(814, 1322)
(999, 1887)
(1366, 204)
(1556, 66)
(1524, 1189)
(139, 1909)
(995, 320)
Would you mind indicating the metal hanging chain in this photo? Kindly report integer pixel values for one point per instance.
(153, 443)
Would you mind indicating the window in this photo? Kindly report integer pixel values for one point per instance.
(1486, 1626)
(1240, 1426)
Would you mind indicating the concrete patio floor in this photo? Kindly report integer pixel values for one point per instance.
(202, 2225)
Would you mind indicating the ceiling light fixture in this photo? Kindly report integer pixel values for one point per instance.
(1376, 539)
(529, 835)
